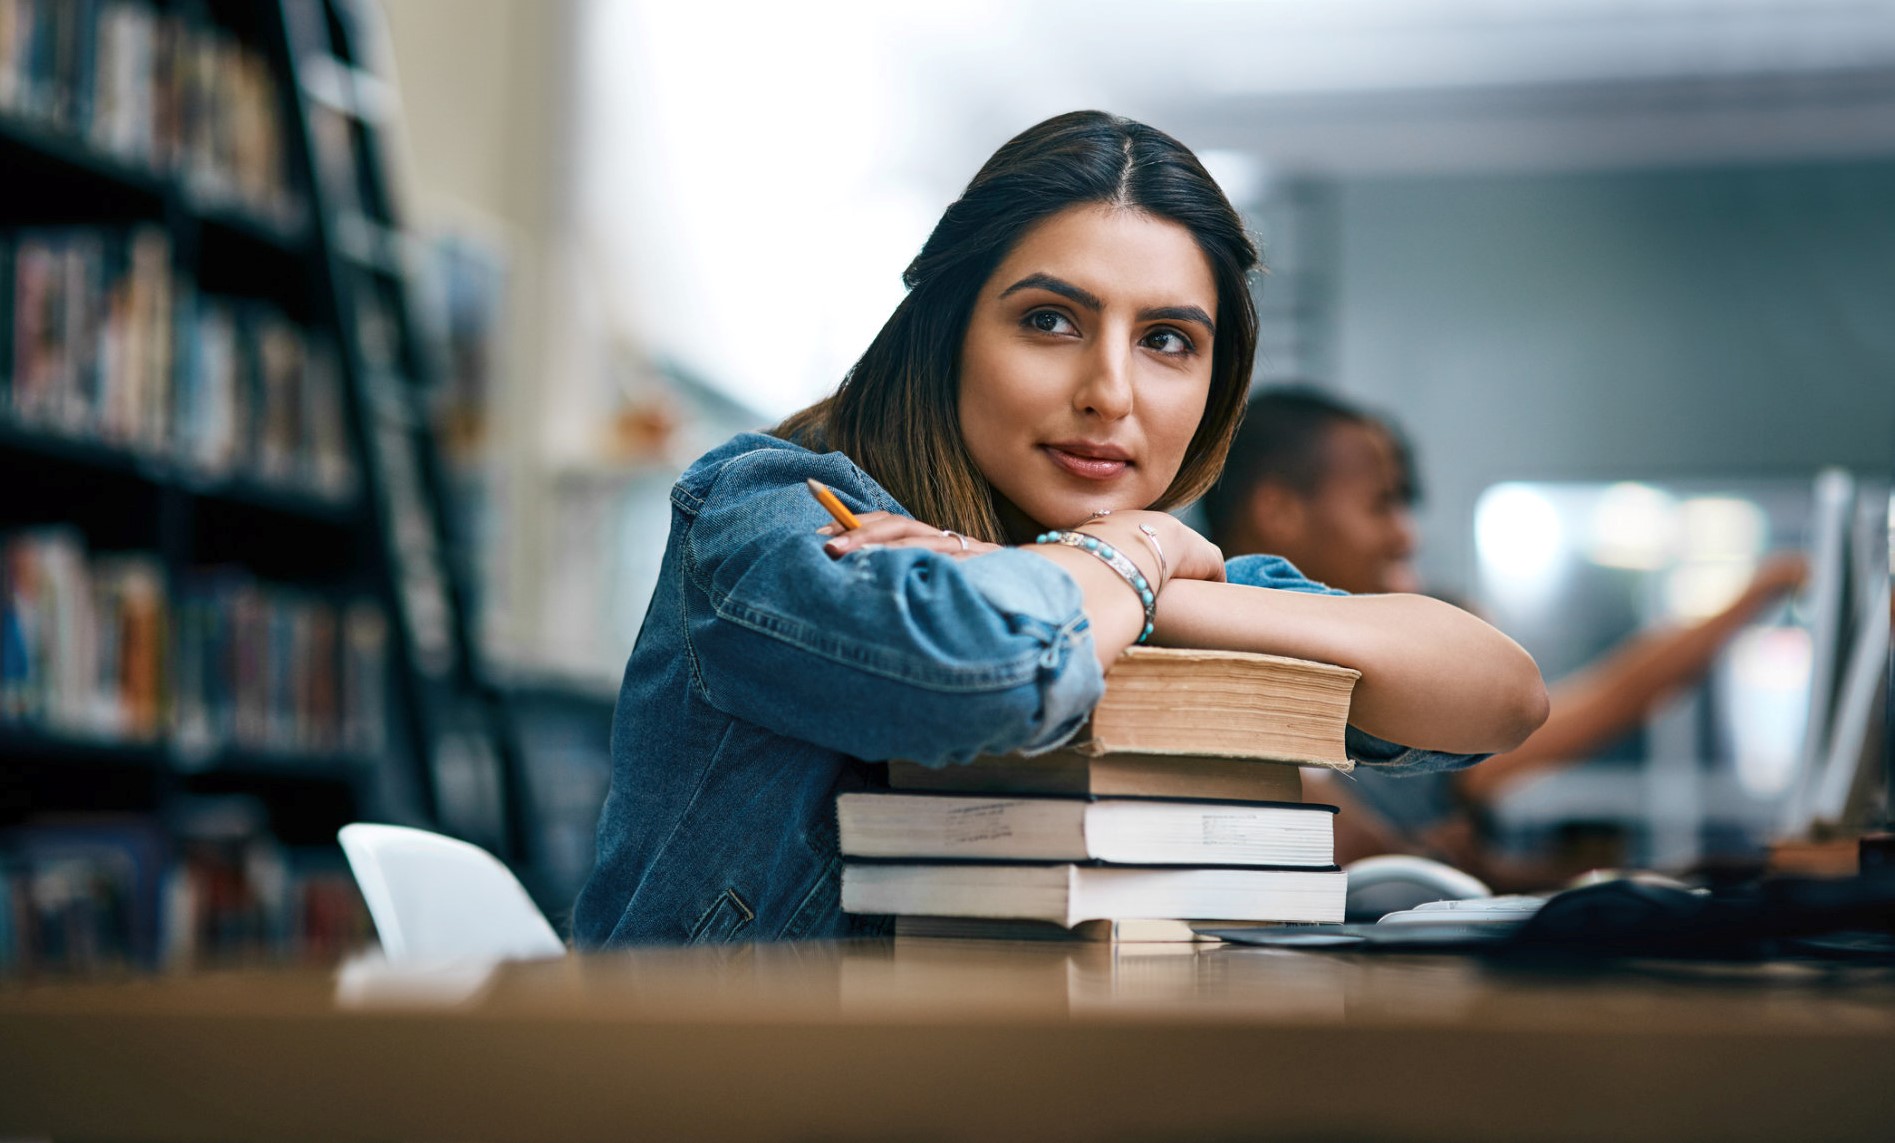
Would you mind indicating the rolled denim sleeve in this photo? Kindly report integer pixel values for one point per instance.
(1274, 572)
(884, 653)
(1381, 754)
(1279, 574)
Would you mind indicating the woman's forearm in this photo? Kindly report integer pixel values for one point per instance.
(1433, 676)
(1113, 611)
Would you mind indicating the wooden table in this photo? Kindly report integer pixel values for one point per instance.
(937, 1040)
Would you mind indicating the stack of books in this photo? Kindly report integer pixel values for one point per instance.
(1183, 803)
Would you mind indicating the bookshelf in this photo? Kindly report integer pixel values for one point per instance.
(234, 612)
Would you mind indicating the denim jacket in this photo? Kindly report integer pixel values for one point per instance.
(768, 678)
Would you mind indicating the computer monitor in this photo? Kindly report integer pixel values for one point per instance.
(1842, 783)
(1575, 569)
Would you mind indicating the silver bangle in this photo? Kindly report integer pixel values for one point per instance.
(1117, 561)
(1150, 536)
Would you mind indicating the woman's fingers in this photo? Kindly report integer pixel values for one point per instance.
(865, 518)
(884, 529)
(933, 541)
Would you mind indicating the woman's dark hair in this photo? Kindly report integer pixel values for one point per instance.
(897, 413)
(1283, 438)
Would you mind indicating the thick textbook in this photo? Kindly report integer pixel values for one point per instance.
(1127, 831)
(1231, 704)
(1067, 894)
(1073, 772)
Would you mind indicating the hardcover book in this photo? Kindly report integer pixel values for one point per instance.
(1228, 704)
(1126, 831)
(1067, 894)
(1074, 772)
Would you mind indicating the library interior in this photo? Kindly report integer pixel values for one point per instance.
(443, 695)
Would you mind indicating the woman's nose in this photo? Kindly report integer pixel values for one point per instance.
(1106, 388)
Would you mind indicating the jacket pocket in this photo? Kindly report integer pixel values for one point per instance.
(820, 907)
(725, 920)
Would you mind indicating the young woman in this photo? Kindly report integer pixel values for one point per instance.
(1071, 360)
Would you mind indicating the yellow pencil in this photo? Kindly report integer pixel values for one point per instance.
(836, 507)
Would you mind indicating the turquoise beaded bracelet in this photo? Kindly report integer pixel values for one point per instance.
(1117, 561)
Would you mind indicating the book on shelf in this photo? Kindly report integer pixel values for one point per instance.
(1125, 831)
(1067, 893)
(85, 891)
(236, 895)
(202, 883)
(82, 644)
(157, 88)
(93, 646)
(44, 59)
(90, 318)
(275, 669)
(1077, 773)
(1228, 704)
(106, 342)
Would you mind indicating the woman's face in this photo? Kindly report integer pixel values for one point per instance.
(1086, 365)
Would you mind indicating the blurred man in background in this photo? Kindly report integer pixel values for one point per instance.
(1332, 489)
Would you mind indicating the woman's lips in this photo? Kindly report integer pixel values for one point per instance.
(1088, 467)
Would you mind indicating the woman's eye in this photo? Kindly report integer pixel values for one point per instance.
(1169, 341)
(1049, 321)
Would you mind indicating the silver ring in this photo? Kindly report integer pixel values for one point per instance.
(956, 535)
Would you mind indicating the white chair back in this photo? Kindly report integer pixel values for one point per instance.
(435, 898)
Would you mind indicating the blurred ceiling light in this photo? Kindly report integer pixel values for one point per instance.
(1518, 536)
(1697, 591)
(1633, 526)
(1719, 528)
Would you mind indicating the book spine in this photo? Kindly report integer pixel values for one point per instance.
(9, 317)
(39, 333)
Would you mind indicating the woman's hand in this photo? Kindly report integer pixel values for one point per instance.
(1188, 555)
(889, 530)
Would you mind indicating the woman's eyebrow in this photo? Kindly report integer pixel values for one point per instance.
(1058, 286)
(1179, 313)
